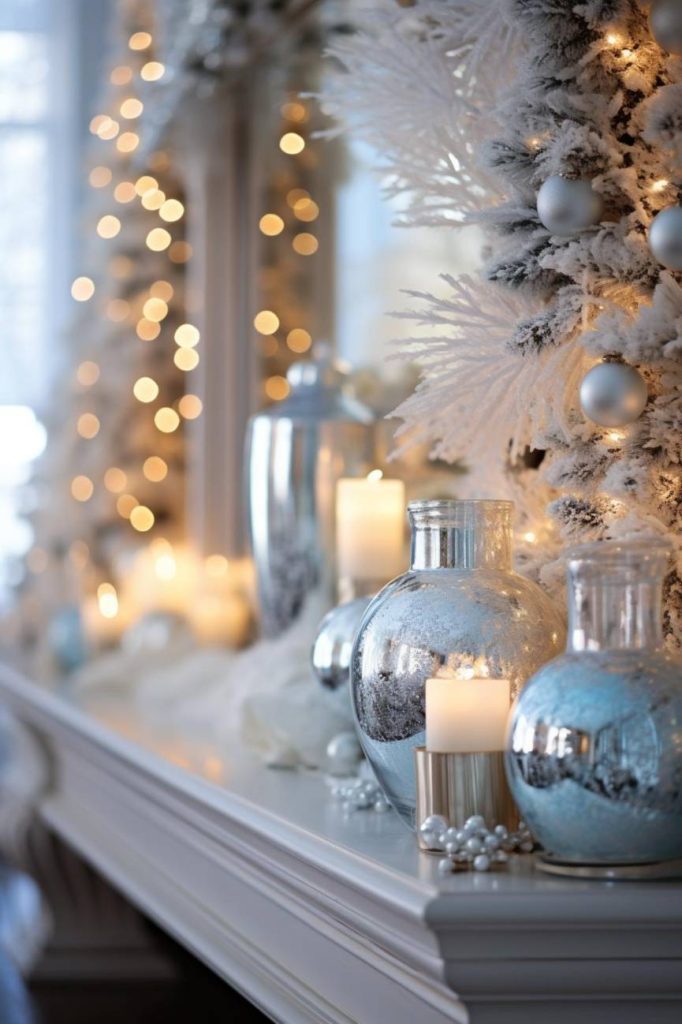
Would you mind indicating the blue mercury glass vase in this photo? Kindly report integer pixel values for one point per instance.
(595, 738)
(459, 611)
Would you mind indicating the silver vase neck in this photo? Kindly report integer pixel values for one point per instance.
(615, 594)
(461, 534)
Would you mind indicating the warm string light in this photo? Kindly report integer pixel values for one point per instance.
(171, 210)
(271, 224)
(99, 176)
(142, 518)
(155, 469)
(124, 192)
(301, 208)
(266, 322)
(131, 108)
(298, 340)
(87, 373)
(128, 142)
(121, 75)
(140, 41)
(155, 308)
(277, 387)
(152, 71)
(125, 505)
(115, 480)
(187, 336)
(305, 244)
(108, 226)
(82, 289)
(186, 359)
(153, 199)
(145, 389)
(292, 143)
(190, 407)
(158, 239)
(166, 420)
(147, 330)
(107, 600)
(82, 488)
(88, 425)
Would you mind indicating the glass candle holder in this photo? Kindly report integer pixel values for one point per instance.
(595, 759)
(460, 612)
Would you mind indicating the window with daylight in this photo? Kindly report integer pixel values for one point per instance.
(24, 207)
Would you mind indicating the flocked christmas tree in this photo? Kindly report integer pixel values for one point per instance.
(114, 467)
(555, 374)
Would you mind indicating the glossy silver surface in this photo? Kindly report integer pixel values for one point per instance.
(666, 24)
(459, 609)
(296, 451)
(458, 786)
(665, 237)
(333, 644)
(613, 394)
(595, 759)
(566, 206)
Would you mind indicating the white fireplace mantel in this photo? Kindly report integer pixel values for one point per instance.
(317, 917)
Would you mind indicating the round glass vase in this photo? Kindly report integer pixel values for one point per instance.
(595, 739)
(460, 611)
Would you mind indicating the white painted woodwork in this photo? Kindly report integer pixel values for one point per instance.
(214, 159)
(321, 918)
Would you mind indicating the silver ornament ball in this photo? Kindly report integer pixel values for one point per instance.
(666, 24)
(665, 237)
(333, 644)
(567, 206)
(613, 394)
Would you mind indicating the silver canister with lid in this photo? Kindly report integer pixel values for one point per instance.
(296, 451)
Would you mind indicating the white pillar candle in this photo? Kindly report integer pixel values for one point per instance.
(466, 715)
(370, 527)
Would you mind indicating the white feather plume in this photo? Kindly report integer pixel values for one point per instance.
(419, 84)
(478, 399)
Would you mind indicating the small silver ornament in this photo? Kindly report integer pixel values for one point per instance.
(665, 19)
(343, 754)
(613, 394)
(334, 643)
(566, 206)
(665, 237)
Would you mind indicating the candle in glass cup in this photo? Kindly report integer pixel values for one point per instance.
(370, 527)
(466, 715)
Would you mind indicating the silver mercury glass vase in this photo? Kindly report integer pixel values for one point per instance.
(460, 609)
(296, 451)
(595, 758)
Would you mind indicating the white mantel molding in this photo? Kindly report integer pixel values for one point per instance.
(320, 919)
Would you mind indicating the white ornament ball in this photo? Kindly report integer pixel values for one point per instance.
(666, 24)
(343, 754)
(613, 394)
(665, 237)
(566, 206)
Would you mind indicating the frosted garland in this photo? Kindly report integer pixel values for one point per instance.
(592, 96)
